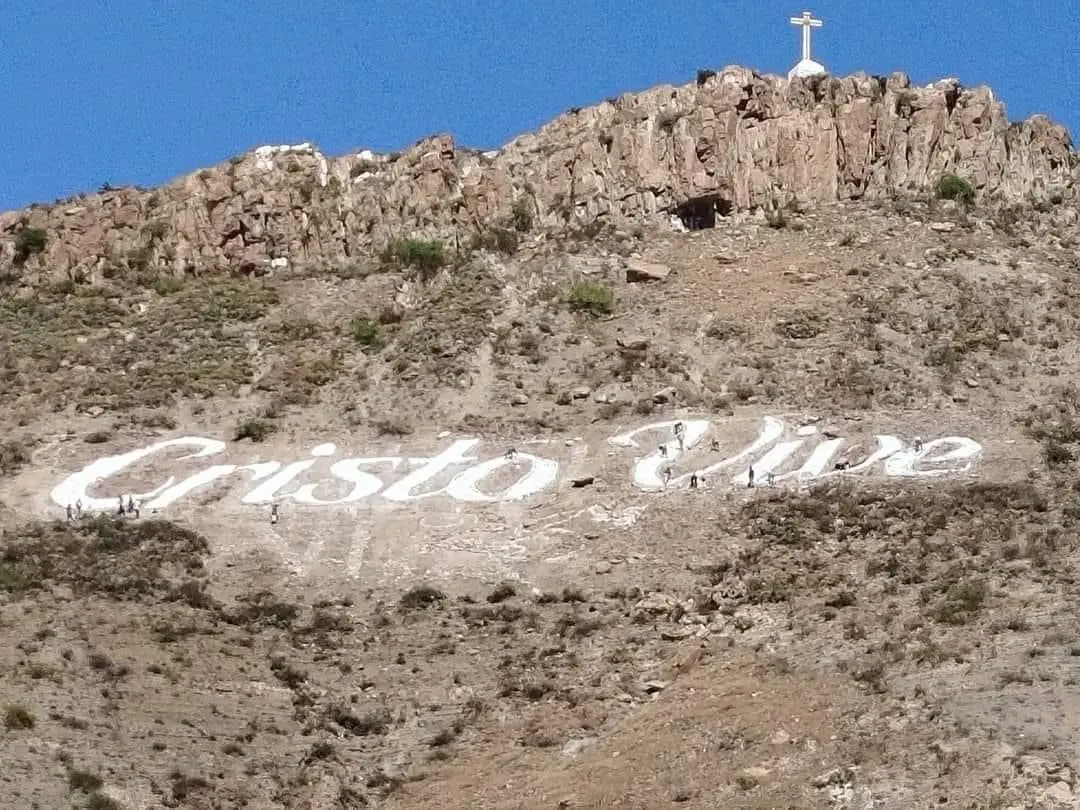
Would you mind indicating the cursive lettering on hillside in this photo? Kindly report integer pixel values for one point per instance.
(659, 460)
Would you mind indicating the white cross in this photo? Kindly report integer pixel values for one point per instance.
(806, 21)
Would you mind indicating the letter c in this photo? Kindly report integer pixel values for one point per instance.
(74, 487)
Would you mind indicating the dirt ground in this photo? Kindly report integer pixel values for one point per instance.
(860, 641)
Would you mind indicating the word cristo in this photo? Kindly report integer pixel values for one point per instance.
(354, 479)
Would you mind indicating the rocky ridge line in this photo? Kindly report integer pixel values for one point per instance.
(733, 141)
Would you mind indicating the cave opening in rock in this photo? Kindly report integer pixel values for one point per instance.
(699, 213)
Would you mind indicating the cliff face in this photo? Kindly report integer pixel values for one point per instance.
(732, 141)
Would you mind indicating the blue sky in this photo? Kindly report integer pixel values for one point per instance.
(129, 91)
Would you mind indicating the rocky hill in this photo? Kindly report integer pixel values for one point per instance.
(733, 141)
(496, 577)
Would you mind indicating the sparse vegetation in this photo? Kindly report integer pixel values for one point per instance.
(775, 215)
(13, 456)
(425, 256)
(498, 239)
(18, 718)
(113, 558)
(29, 242)
(257, 430)
(184, 785)
(392, 426)
(167, 285)
(502, 592)
(952, 187)
(367, 333)
(373, 722)
(85, 781)
(440, 340)
(725, 330)
(522, 215)
(962, 601)
(264, 608)
(591, 298)
(99, 801)
(801, 325)
(420, 597)
(191, 345)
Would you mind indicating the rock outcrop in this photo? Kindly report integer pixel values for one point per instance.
(734, 140)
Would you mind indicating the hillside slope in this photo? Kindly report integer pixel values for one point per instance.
(887, 621)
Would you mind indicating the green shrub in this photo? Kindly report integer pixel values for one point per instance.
(1056, 454)
(952, 187)
(255, 429)
(167, 285)
(725, 330)
(18, 718)
(423, 255)
(13, 455)
(420, 596)
(99, 801)
(496, 239)
(962, 602)
(367, 334)
(28, 242)
(523, 215)
(595, 299)
(83, 780)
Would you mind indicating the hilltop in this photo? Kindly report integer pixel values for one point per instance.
(454, 372)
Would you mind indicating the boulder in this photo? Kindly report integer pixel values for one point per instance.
(639, 271)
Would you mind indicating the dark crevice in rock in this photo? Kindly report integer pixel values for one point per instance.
(699, 213)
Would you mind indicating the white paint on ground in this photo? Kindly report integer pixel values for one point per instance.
(815, 465)
(621, 518)
(776, 457)
(208, 476)
(364, 483)
(357, 549)
(75, 488)
(646, 474)
(541, 474)
(264, 158)
(771, 430)
(430, 468)
(954, 454)
(524, 476)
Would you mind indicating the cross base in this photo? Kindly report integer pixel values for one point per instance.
(805, 68)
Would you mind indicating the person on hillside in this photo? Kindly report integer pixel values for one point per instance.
(70, 513)
(694, 481)
(78, 508)
(510, 454)
(120, 511)
(273, 514)
(918, 444)
(750, 479)
(667, 475)
(715, 446)
(131, 506)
